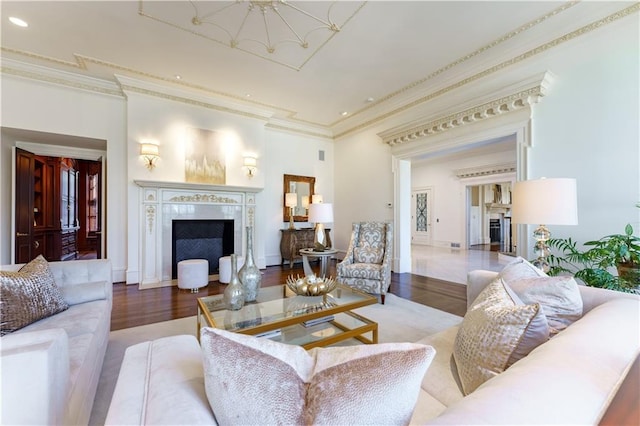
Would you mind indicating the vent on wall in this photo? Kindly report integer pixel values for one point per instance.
(321, 155)
(455, 245)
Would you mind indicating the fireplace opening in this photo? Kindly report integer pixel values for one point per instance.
(208, 239)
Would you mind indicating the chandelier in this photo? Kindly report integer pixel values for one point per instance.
(282, 31)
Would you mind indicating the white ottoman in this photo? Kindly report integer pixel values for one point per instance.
(193, 274)
(224, 268)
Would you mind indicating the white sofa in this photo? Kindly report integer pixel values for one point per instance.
(50, 368)
(570, 379)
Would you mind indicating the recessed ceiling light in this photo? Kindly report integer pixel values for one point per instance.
(17, 21)
(370, 99)
(248, 95)
(343, 113)
(178, 77)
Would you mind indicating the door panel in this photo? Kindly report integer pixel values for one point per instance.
(421, 206)
(24, 205)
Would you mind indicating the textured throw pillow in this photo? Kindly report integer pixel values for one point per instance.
(250, 380)
(518, 269)
(496, 331)
(28, 295)
(559, 297)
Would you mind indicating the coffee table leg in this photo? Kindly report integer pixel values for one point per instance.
(198, 324)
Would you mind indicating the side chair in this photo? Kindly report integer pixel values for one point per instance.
(367, 264)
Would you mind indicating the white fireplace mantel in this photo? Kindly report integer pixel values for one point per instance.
(162, 202)
(195, 186)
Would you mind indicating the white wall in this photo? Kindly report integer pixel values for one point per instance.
(293, 154)
(44, 107)
(588, 129)
(363, 184)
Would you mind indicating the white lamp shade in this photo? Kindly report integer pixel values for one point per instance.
(149, 149)
(291, 199)
(545, 202)
(250, 162)
(316, 198)
(321, 213)
(305, 201)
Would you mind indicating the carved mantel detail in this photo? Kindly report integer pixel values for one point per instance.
(203, 198)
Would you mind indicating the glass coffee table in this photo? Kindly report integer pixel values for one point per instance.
(282, 316)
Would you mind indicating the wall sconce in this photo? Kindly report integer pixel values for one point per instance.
(291, 201)
(250, 164)
(150, 153)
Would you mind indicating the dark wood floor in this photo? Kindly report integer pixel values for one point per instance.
(133, 307)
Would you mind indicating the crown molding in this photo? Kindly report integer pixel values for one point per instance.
(296, 127)
(350, 125)
(178, 94)
(58, 77)
(512, 98)
(494, 169)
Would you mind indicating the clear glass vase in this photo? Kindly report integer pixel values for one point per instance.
(249, 274)
(234, 294)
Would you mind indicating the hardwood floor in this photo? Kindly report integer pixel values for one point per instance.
(133, 307)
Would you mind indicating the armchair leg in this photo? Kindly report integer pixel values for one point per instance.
(382, 298)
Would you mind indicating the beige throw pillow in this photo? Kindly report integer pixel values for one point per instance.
(518, 269)
(28, 295)
(559, 297)
(496, 331)
(250, 380)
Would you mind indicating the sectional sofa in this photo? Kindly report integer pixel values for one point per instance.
(50, 368)
(569, 379)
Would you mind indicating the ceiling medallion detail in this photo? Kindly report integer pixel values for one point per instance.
(286, 32)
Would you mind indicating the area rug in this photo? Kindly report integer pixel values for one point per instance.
(399, 320)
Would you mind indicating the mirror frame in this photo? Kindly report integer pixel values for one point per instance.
(288, 179)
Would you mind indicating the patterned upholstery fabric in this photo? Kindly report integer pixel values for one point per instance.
(497, 330)
(28, 295)
(367, 264)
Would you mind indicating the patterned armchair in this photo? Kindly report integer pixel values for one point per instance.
(367, 264)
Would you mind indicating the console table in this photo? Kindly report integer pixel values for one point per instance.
(295, 239)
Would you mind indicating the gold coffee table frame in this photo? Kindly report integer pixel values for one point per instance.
(281, 313)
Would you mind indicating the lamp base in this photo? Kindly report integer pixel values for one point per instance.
(320, 239)
(291, 225)
(541, 249)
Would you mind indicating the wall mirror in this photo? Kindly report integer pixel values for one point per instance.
(302, 186)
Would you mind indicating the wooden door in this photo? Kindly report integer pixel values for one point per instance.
(24, 218)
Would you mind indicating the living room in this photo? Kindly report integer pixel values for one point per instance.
(568, 129)
(546, 90)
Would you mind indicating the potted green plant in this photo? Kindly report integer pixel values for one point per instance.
(593, 265)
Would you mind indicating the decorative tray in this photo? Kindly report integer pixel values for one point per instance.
(311, 285)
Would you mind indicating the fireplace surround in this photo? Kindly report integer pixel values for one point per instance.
(164, 203)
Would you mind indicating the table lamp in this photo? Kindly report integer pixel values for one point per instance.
(320, 213)
(291, 201)
(544, 202)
